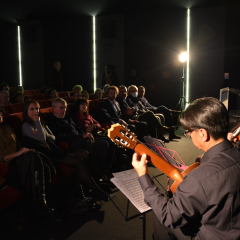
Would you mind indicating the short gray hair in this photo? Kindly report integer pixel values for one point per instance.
(132, 86)
(58, 100)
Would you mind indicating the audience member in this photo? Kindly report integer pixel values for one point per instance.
(98, 93)
(129, 114)
(55, 77)
(153, 123)
(162, 109)
(26, 169)
(77, 88)
(85, 94)
(19, 97)
(105, 90)
(110, 107)
(4, 98)
(4, 87)
(76, 95)
(65, 130)
(36, 132)
(52, 93)
(109, 77)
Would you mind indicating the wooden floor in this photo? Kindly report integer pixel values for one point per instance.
(108, 223)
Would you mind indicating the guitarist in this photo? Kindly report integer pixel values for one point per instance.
(206, 203)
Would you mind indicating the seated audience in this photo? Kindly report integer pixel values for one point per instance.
(85, 94)
(4, 98)
(98, 93)
(111, 107)
(19, 97)
(35, 131)
(161, 109)
(52, 93)
(26, 169)
(65, 130)
(77, 88)
(154, 126)
(105, 90)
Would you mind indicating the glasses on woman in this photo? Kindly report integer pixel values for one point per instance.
(187, 133)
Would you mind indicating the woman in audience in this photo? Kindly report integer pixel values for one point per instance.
(19, 97)
(36, 129)
(85, 94)
(98, 93)
(105, 90)
(26, 168)
(82, 118)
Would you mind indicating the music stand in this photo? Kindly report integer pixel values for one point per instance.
(182, 101)
(127, 218)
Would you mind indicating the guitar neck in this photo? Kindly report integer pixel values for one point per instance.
(159, 162)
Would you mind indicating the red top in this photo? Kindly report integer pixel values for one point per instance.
(84, 120)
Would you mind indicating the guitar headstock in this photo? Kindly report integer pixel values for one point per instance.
(122, 136)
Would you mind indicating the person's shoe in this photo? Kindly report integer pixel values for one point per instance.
(173, 136)
(161, 137)
(165, 129)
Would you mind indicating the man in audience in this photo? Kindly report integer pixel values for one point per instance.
(111, 106)
(133, 100)
(76, 95)
(52, 93)
(162, 109)
(19, 97)
(4, 98)
(85, 94)
(128, 112)
(65, 130)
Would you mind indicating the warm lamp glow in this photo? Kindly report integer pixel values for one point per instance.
(183, 57)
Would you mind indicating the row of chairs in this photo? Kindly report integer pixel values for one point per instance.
(18, 107)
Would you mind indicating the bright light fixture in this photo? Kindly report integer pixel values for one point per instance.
(188, 48)
(94, 55)
(19, 57)
(183, 57)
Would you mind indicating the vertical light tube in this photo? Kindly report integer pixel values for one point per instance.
(19, 57)
(94, 54)
(188, 47)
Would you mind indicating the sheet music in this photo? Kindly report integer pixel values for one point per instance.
(127, 182)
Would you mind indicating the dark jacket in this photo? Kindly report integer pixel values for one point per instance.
(106, 105)
(146, 104)
(114, 79)
(135, 101)
(64, 129)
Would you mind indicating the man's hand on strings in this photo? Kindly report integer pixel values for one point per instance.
(140, 164)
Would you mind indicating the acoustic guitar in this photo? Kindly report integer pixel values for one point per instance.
(123, 137)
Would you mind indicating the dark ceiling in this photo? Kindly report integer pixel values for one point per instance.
(12, 11)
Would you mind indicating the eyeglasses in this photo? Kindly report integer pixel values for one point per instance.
(61, 108)
(187, 133)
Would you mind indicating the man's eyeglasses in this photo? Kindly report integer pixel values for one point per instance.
(63, 108)
(187, 133)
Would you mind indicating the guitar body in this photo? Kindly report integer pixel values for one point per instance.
(184, 173)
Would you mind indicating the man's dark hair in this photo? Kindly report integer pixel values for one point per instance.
(207, 113)
(112, 87)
